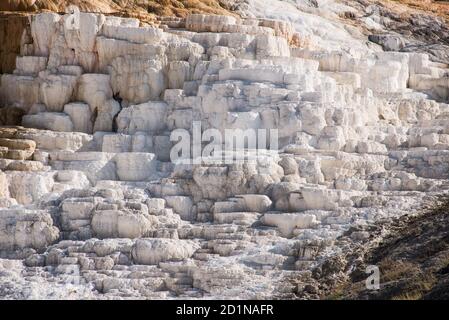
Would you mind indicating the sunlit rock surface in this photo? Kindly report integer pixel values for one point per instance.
(90, 199)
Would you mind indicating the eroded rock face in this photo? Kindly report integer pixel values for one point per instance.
(20, 230)
(153, 251)
(10, 24)
(11, 116)
(135, 166)
(88, 185)
(135, 118)
(118, 224)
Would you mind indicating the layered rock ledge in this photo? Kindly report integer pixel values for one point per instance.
(90, 199)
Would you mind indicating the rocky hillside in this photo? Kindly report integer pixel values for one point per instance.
(412, 254)
(407, 26)
(124, 7)
(355, 113)
(14, 16)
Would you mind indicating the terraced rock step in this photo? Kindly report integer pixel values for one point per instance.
(91, 200)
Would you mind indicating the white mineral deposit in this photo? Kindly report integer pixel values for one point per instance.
(87, 182)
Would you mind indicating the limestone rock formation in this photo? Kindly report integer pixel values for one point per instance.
(89, 186)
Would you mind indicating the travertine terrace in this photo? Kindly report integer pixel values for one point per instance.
(92, 207)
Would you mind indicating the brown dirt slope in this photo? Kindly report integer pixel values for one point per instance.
(123, 7)
(413, 260)
(440, 8)
(12, 24)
